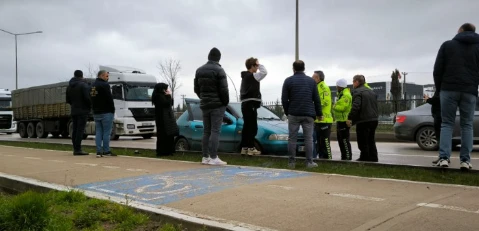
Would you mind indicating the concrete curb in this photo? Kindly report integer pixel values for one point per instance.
(429, 168)
(17, 184)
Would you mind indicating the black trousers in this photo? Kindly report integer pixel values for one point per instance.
(323, 142)
(343, 140)
(250, 126)
(79, 123)
(365, 133)
(437, 127)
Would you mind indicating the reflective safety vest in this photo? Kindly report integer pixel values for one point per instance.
(326, 100)
(343, 106)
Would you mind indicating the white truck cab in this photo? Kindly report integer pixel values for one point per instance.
(7, 125)
(132, 89)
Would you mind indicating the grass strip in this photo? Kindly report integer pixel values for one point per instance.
(433, 175)
(71, 210)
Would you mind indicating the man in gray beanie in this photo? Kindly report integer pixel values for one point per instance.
(211, 86)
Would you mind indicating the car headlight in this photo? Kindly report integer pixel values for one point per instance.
(278, 137)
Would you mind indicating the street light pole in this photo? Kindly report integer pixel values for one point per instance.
(16, 56)
(297, 30)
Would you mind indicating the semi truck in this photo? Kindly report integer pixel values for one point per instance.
(7, 125)
(42, 110)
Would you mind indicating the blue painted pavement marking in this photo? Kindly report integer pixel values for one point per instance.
(159, 189)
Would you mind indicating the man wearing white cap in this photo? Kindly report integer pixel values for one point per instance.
(341, 110)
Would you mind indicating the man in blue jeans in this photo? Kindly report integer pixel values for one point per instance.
(301, 103)
(456, 76)
(103, 113)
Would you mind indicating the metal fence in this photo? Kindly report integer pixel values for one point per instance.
(387, 108)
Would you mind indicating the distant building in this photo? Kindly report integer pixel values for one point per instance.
(383, 90)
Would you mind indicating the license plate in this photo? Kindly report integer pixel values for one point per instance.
(301, 148)
(146, 124)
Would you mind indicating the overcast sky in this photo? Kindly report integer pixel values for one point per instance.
(340, 37)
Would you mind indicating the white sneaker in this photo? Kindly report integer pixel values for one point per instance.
(443, 163)
(205, 160)
(466, 166)
(253, 152)
(244, 151)
(216, 161)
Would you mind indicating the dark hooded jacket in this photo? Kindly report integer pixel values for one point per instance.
(78, 96)
(457, 64)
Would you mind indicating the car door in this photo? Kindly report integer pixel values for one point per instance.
(228, 142)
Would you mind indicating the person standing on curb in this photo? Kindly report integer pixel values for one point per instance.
(103, 113)
(341, 110)
(78, 97)
(166, 127)
(211, 86)
(436, 115)
(250, 101)
(364, 114)
(323, 127)
(302, 105)
(456, 76)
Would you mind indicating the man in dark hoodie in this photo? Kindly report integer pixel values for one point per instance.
(78, 97)
(103, 113)
(250, 102)
(456, 76)
(211, 86)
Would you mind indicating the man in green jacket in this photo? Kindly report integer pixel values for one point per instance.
(323, 127)
(341, 110)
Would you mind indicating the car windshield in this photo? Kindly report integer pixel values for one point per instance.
(139, 91)
(263, 113)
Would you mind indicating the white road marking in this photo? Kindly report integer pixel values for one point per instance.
(357, 197)
(57, 161)
(111, 167)
(32, 158)
(87, 164)
(136, 170)
(281, 187)
(453, 208)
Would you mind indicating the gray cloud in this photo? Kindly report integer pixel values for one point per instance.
(340, 37)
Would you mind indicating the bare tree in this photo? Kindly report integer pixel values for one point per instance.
(169, 69)
(91, 71)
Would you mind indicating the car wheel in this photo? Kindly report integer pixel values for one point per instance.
(182, 145)
(426, 139)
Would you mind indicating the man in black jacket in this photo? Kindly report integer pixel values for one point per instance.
(78, 97)
(103, 113)
(456, 76)
(211, 86)
(364, 114)
(250, 102)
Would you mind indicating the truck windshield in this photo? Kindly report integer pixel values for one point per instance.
(5, 103)
(139, 92)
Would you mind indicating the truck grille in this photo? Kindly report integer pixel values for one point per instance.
(5, 121)
(143, 114)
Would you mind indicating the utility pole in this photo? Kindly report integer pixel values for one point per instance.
(404, 84)
(297, 30)
(16, 59)
(183, 100)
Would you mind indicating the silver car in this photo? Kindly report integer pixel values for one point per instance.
(418, 125)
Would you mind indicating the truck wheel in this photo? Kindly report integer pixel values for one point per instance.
(40, 130)
(31, 130)
(22, 130)
(113, 135)
(147, 136)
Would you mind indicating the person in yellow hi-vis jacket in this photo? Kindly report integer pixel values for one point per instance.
(341, 110)
(323, 127)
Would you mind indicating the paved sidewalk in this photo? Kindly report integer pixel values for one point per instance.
(275, 199)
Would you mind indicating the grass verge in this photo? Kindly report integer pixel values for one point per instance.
(71, 210)
(434, 175)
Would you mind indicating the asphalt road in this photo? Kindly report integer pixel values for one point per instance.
(390, 152)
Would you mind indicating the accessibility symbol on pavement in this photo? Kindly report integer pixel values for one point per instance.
(169, 187)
